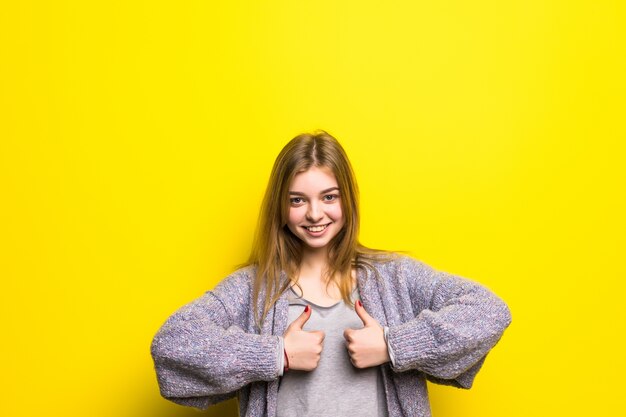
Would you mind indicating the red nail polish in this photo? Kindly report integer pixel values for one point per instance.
(306, 309)
(359, 303)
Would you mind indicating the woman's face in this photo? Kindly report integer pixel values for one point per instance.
(315, 214)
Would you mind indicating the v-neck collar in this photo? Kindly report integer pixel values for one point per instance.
(295, 299)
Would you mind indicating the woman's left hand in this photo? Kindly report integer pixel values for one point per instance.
(366, 346)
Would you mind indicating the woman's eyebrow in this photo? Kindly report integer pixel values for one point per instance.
(321, 192)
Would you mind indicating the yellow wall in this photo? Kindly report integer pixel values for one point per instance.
(136, 139)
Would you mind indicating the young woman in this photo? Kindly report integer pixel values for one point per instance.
(317, 324)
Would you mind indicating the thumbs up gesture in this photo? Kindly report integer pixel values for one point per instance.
(303, 348)
(366, 346)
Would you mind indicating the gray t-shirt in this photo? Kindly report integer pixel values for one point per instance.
(335, 387)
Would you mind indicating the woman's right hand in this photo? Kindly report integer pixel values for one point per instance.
(303, 348)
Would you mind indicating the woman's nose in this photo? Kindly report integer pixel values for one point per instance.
(314, 213)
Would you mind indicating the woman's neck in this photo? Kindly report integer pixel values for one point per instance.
(314, 262)
(313, 281)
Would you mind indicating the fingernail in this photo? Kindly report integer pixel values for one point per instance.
(359, 303)
(306, 309)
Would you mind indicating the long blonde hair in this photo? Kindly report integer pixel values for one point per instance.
(277, 250)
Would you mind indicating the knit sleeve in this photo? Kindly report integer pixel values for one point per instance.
(457, 323)
(202, 355)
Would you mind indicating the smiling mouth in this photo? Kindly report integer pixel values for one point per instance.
(316, 228)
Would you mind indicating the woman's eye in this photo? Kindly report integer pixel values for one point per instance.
(331, 197)
(296, 200)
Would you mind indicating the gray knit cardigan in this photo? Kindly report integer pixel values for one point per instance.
(441, 327)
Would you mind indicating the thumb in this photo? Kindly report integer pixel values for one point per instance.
(299, 322)
(363, 315)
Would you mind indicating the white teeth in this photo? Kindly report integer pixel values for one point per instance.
(316, 228)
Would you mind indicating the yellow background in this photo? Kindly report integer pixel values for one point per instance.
(137, 139)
